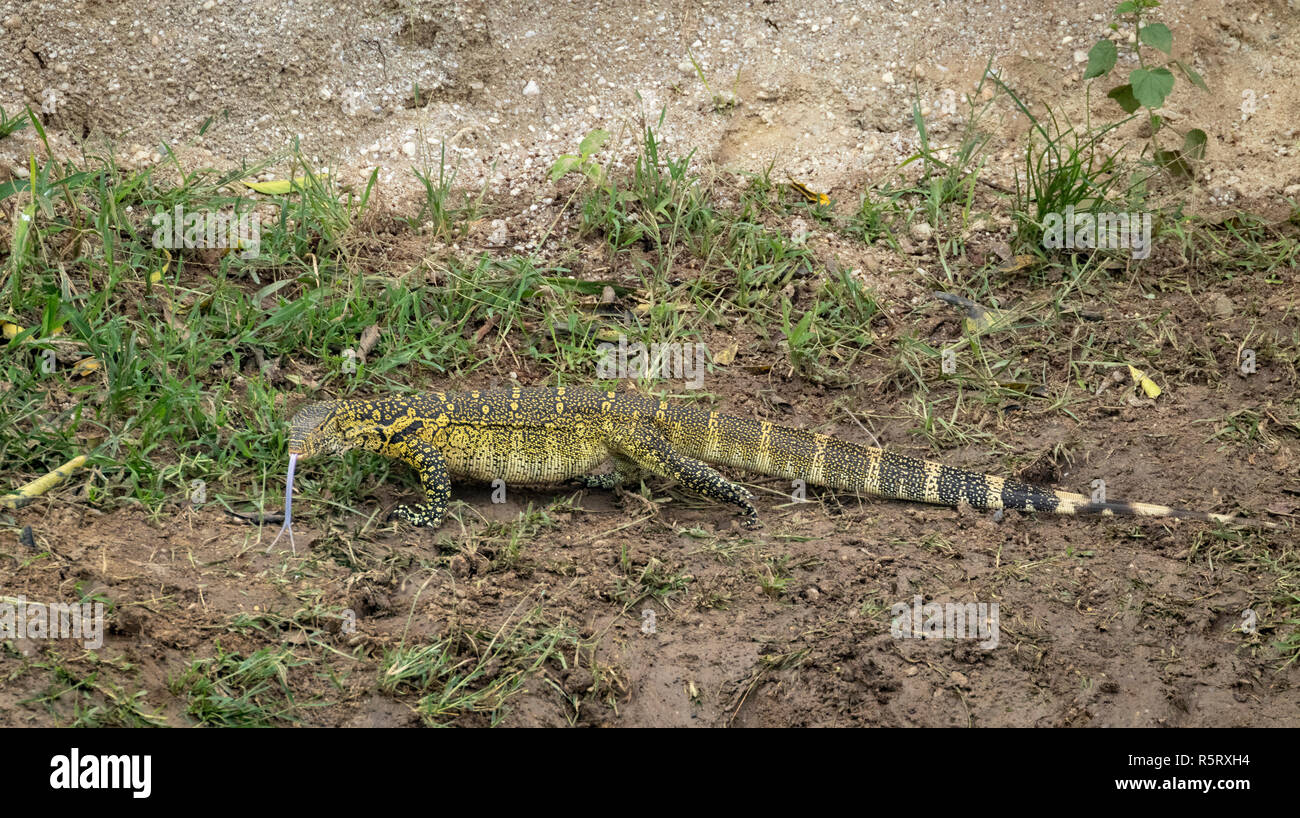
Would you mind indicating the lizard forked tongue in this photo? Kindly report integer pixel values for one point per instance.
(288, 506)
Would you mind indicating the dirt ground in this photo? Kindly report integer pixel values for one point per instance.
(1103, 622)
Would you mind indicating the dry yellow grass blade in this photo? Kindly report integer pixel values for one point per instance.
(277, 187)
(28, 493)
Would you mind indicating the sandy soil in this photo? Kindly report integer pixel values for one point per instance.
(825, 88)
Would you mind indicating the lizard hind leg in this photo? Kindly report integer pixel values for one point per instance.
(650, 451)
(606, 482)
(624, 471)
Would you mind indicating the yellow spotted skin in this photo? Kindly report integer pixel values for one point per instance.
(529, 436)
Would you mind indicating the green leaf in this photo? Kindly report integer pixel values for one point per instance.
(22, 229)
(11, 187)
(1175, 163)
(1124, 96)
(592, 142)
(800, 330)
(1150, 87)
(1127, 7)
(1191, 75)
(564, 165)
(271, 289)
(277, 187)
(1157, 35)
(1101, 58)
(1194, 143)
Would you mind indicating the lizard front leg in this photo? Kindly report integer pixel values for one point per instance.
(649, 450)
(428, 462)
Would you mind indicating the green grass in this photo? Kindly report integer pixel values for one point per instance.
(445, 212)
(82, 693)
(476, 672)
(654, 580)
(12, 124)
(233, 690)
(1067, 166)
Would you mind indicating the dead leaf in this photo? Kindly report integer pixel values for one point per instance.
(1148, 386)
(277, 187)
(156, 276)
(485, 329)
(370, 337)
(1018, 263)
(980, 320)
(810, 195)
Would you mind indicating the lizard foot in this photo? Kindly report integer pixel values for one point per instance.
(418, 516)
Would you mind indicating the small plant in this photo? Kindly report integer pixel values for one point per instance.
(806, 346)
(775, 576)
(1065, 167)
(440, 210)
(583, 161)
(233, 690)
(11, 124)
(723, 101)
(875, 216)
(1149, 84)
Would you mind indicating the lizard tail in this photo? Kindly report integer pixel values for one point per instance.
(797, 454)
(1077, 504)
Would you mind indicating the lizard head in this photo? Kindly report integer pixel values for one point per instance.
(331, 427)
(316, 429)
(336, 426)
